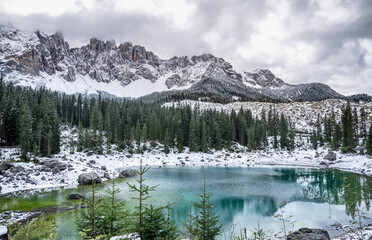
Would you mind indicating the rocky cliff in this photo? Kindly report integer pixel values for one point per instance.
(128, 70)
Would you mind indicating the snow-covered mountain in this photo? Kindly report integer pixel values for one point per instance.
(127, 70)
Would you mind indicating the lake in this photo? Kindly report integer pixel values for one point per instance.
(244, 197)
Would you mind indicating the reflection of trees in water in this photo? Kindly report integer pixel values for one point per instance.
(230, 207)
(328, 186)
(336, 187)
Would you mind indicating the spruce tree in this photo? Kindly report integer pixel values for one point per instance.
(283, 132)
(204, 138)
(114, 214)
(348, 135)
(11, 120)
(167, 141)
(363, 123)
(80, 141)
(314, 139)
(89, 219)
(207, 221)
(369, 142)
(158, 225)
(144, 133)
(193, 139)
(137, 134)
(292, 137)
(108, 128)
(143, 192)
(189, 226)
(233, 125)
(319, 131)
(25, 130)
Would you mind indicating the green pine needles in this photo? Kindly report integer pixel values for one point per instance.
(150, 222)
(206, 224)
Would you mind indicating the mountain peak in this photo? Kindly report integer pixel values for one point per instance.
(129, 70)
(264, 78)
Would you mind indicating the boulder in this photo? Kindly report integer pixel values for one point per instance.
(75, 196)
(88, 178)
(3, 233)
(106, 175)
(331, 156)
(4, 166)
(317, 155)
(127, 173)
(309, 234)
(16, 169)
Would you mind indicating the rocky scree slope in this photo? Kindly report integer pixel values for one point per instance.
(126, 70)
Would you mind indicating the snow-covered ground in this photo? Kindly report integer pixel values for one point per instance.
(62, 170)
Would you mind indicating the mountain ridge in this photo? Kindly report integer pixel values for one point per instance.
(127, 70)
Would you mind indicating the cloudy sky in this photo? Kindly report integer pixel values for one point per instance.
(300, 41)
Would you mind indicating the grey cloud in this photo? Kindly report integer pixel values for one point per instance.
(234, 22)
(154, 33)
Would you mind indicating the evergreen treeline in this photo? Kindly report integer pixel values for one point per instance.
(345, 134)
(31, 119)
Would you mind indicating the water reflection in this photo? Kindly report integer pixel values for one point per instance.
(316, 197)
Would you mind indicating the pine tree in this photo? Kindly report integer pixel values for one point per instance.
(217, 137)
(80, 143)
(108, 128)
(363, 123)
(369, 142)
(355, 123)
(233, 125)
(25, 130)
(88, 219)
(193, 140)
(264, 127)
(137, 134)
(225, 129)
(327, 130)
(204, 138)
(348, 136)
(314, 139)
(157, 225)
(115, 217)
(283, 132)
(189, 226)
(10, 118)
(167, 141)
(144, 133)
(206, 223)
(319, 131)
(143, 192)
(291, 136)
(56, 135)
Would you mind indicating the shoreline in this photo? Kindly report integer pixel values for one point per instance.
(33, 177)
(113, 163)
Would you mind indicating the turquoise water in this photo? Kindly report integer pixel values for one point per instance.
(243, 197)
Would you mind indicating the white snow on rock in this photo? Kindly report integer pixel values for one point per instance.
(3, 230)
